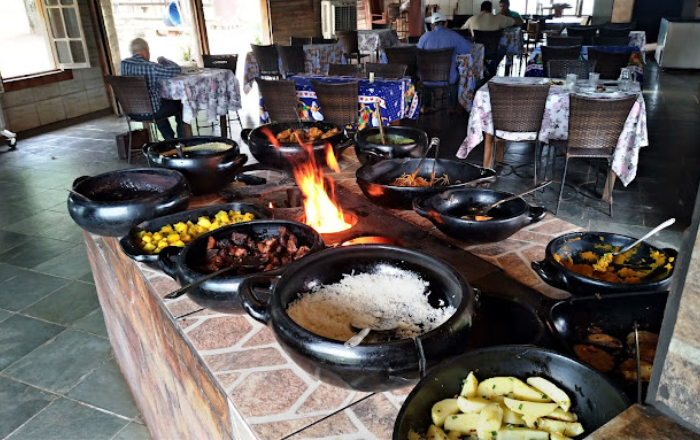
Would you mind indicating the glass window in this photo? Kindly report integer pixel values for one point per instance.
(67, 38)
(22, 24)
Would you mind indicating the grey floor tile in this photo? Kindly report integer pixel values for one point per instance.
(68, 420)
(4, 314)
(93, 323)
(106, 389)
(47, 198)
(35, 251)
(49, 224)
(13, 211)
(66, 305)
(27, 288)
(72, 264)
(60, 364)
(134, 431)
(88, 278)
(19, 403)
(9, 240)
(7, 271)
(20, 335)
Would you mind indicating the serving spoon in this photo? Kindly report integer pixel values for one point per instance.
(243, 263)
(380, 325)
(77, 194)
(483, 212)
(607, 257)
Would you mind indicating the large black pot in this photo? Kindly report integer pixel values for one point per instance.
(265, 152)
(557, 275)
(206, 171)
(446, 209)
(221, 293)
(372, 366)
(371, 152)
(132, 250)
(118, 200)
(593, 397)
(375, 179)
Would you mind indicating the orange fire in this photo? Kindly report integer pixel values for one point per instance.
(320, 208)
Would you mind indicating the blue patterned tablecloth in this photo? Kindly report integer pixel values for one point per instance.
(397, 97)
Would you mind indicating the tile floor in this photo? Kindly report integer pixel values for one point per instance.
(58, 377)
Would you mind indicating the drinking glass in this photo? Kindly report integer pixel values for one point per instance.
(593, 78)
(625, 79)
(571, 81)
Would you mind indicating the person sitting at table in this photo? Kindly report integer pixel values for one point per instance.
(486, 21)
(139, 64)
(442, 38)
(504, 9)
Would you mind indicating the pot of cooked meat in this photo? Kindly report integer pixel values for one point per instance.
(572, 263)
(400, 142)
(274, 145)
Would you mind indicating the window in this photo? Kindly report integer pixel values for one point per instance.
(38, 36)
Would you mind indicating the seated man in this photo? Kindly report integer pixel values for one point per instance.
(504, 9)
(139, 65)
(442, 38)
(486, 21)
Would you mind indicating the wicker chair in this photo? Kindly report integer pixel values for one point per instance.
(587, 32)
(382, 70)
(351, 47)
(321, 40)
(594, 129)
(299, 41)
(608, 63)
(222, 62)
(611, 41)
(293, 59)
(280, 99)
(345, 70)
(132, 94)
(490, 40)
(518, 109)
(564, 41)
(615, 32)
(434, 67)
(413, 40)
(403, 55)
(268, 60)
(338, 101)
(558, 53)
(561, 68)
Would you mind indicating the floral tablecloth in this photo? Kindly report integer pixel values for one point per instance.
(555, 125)
(512, 39)
(317, 58)
(397, 97)
(471, 70)
(636, 62)
(214, 90)
(372, 41)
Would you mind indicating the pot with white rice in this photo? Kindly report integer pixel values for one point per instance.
(322, 300)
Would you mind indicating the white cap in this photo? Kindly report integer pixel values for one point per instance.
(437, 17)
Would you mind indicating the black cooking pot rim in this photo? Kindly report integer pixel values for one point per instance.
(155, 147)
(164, 194)
(368, 166)
(503, 195)
(256, 133)
(288, 321)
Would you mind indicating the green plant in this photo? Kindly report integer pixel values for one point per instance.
(186, 53)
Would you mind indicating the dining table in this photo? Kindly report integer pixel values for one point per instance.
(373, 41)
(317, 58)
(396, 97)
(555, 125)
(214, 91)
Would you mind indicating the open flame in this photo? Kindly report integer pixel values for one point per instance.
(320, 208)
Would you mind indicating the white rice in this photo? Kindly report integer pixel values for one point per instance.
(399, 297)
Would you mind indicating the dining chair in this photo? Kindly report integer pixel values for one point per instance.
(587, 32)
(132, 95)
(491, 40)
(561, 68)
(299, 41)
(559, 41)
(611, 41)
(558, 53)
(293, 60)
(403, 55)
(595, 125)
(612, 32)
(321, 40)
(280, 99)
(434, 70)
(345, 70)
(413, 40)
(531, 35)
(338, 101)
(350, 44)
(268, 60)
(222, 62)
(518, 108)
(608, 63)
(382, 70)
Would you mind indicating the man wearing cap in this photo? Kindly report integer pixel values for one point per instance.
(486, 21)
(442, 38)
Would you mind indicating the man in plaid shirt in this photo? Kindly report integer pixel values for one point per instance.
(139, 65)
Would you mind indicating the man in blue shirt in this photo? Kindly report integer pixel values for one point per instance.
(441, 38)
(139, 65)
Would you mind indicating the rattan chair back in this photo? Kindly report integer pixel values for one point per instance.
(132, 94)
(299, 41)
(550, 53)
(293, 59)
(383, 70)
(403, 55)
(518, 108)
(619, 32)
(280, 99)
(587, 32)
(490, 40)
(320, 40)
(434, 65)
(564, 41)
(561, 68)
(595, 124)
(354, 70)
(268, 59)
(338, 101)
(608, 63)
(611, 41)
(221, 62)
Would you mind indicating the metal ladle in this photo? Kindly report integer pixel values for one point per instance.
(245, 263)
(484, 211)
(607, 257)
(77, 194)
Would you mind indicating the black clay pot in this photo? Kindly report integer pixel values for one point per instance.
(132, 250)
(446, 209)
(593, 397)
(375, 179)
(372, 152)
(221, 293)
(370, 366)
(116, 201)
(206, 170)
(557, 275)
(265, 152)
